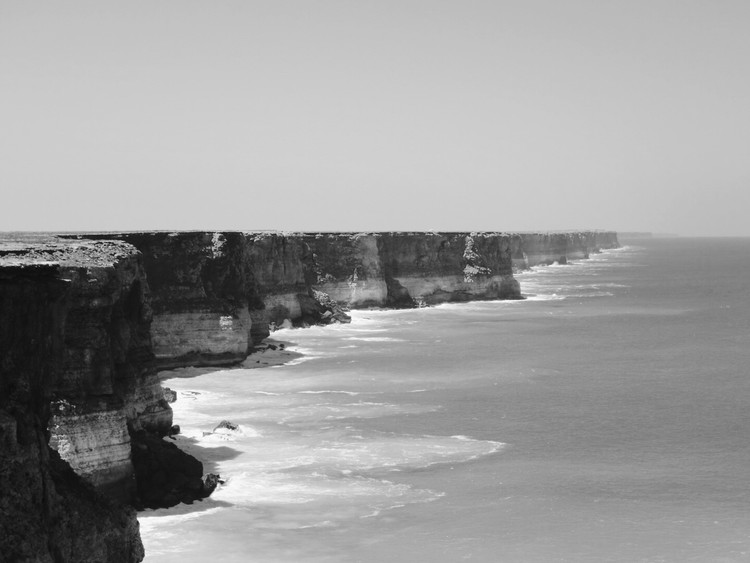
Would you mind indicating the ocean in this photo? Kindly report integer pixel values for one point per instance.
(606, 418)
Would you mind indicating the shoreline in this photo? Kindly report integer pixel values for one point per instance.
(209, 447)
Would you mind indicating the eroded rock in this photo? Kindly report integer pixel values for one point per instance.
(166, 475)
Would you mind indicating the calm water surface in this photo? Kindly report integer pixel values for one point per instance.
(605, 418)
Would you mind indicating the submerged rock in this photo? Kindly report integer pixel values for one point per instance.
(210, 482)
(225, 425)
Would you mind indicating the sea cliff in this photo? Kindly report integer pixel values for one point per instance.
(57, 317)
(215, 295)
(88, 319)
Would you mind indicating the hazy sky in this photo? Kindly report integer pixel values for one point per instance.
(375, 115)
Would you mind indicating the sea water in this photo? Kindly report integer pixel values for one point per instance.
(604, 418)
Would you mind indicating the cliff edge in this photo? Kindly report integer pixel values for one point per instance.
(49, 513)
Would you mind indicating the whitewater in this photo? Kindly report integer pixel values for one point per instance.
(603, 418)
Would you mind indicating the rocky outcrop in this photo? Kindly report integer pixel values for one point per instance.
(48, 512)
(166, 475)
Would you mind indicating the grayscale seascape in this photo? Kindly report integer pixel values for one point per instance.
(375, 281)
(604, 418)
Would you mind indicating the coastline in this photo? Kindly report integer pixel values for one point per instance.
(269, 489)
(123, 308)
(273, 352)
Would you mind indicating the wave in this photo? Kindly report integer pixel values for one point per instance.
(477, 305)
(378, 451)
(338, 392)
(374, 338)
(338, 411)
(322, 478)
(281, 501)
(545, 297)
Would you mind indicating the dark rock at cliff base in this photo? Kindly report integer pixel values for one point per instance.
(318, 308)
(398, 296)
(170, 396)
(210, 482)
(165, 475)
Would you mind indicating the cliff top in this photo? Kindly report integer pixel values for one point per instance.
(35, 249)
(60, 236)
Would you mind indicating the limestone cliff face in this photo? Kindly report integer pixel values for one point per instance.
(279, 270)
(403, 269)
(349, 268)
(362, 270)
(438, 267)
(106, 410)
(216, 294)
(47, 512)
(198, 296)
(106, 386)
(533, 249)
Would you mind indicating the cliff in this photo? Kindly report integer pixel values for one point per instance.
(49, 513)
(198, 297)
(533, 249)
(215, 295)
(106, 387)
(82, 409)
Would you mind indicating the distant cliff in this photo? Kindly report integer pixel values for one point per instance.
(533, 249)
(87, 319)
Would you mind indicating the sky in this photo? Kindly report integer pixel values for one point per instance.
(631, 115)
